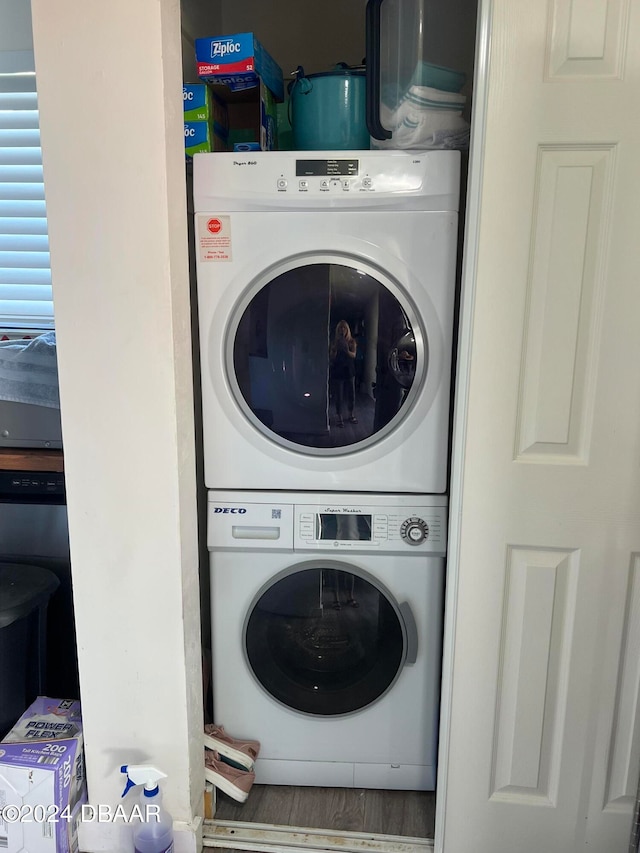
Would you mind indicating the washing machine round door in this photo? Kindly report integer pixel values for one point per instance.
(325, 639)
(326, 356)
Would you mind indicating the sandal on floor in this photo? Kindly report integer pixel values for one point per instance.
(340, 423)
(353, 420)
(353, 603)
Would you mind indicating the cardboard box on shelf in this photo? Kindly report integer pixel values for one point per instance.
(200, 103)
(248, 82)
(42, 779)
(238, 61)
(201, 136)
(206, 121)
(253, 120)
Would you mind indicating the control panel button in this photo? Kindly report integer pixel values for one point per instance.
(346, 184)
(303, 185)
(281, 183)
(414, 530)
(367, 183)
(380, 527)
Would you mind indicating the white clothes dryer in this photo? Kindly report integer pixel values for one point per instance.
(327, 626)
(326, 286)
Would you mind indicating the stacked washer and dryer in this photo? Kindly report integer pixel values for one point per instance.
(327, 526)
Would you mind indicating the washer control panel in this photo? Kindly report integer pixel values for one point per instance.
(337, 527)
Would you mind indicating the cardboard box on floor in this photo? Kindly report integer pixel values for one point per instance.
(42, 779)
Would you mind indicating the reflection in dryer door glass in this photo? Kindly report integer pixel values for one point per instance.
(324, 356)
(324, 641)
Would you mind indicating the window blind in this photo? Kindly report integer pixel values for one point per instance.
(26, 300)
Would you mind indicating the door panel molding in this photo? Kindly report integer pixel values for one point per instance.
(587, 38)
(625, 735)
(538, 617)
(567, 263)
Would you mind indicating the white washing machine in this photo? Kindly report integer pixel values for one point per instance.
(327, 625)
(292, 247)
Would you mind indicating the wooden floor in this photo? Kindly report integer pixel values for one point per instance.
(410, 813)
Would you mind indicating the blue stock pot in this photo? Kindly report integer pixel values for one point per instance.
(328, 110)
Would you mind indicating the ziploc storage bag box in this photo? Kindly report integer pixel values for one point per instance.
(238, 61)
(42, 779)
(196, 102)
(206, 120)
(199, 103)
(201, 136)
(252, 121)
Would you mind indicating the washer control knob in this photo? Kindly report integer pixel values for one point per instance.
(414, 530)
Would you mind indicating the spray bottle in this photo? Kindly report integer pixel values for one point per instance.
(153, 832)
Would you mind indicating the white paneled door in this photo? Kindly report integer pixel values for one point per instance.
(544, 733)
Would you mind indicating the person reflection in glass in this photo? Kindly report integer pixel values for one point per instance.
(342, 373)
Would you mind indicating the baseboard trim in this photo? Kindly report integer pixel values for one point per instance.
(268, 838)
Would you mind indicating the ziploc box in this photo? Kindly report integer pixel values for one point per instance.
(199, 103)
(42, 779)
(206, 121)
(239, 61)
(201, 136)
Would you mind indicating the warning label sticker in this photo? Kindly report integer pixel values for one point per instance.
(214, 238)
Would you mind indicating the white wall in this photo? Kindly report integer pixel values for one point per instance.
(109, 81)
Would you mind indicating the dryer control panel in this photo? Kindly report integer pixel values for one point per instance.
(317, 180)
(389, 524)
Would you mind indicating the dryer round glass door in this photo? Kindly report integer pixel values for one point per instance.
(326, 356)
(323, 640)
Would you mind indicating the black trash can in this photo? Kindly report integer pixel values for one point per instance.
(25, 591)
